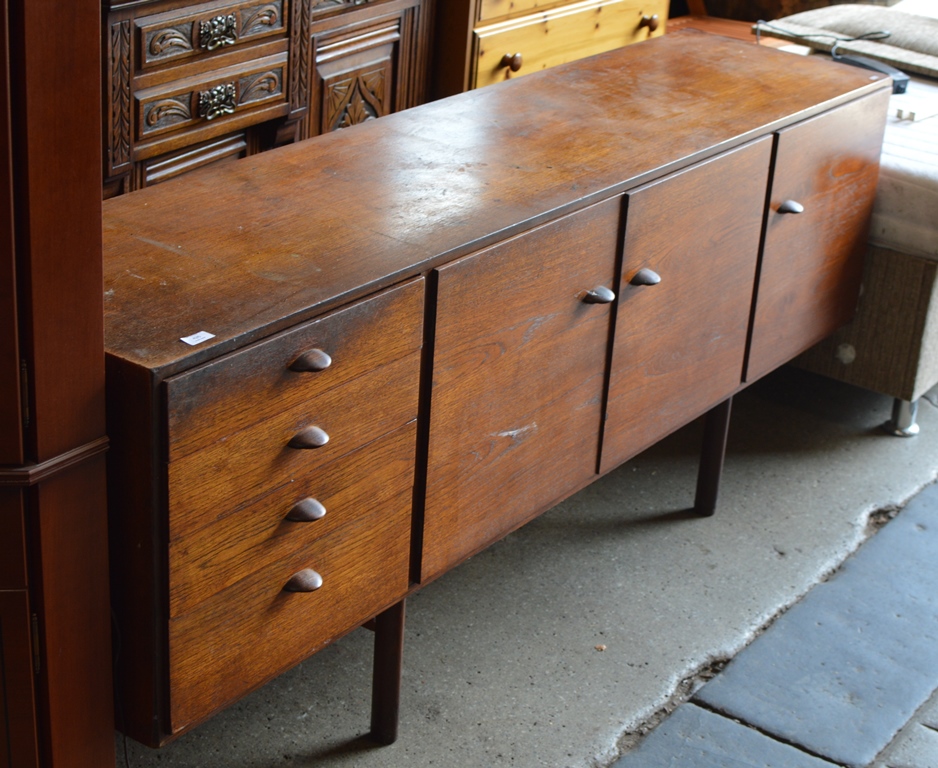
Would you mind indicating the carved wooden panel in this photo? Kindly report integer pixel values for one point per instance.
(174, 36)
(320, 6)
(191, 159)
(169, 108)
(300, 54)
(120, 127)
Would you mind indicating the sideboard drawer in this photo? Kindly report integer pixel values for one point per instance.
(257, 383)
(560, 35)
(254, 629)
(201, 30)
(208, 553)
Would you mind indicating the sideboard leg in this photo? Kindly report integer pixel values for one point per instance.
(386, 677)
(716, 428)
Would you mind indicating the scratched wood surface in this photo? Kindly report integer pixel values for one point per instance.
(265, 242)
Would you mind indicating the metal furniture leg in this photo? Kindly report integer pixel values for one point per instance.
(903, 422)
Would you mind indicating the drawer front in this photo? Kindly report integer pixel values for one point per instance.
(565, 34)
(494, 9)
(518, 378)
(215, 97)
(209, 553)
(255, 384)
(680, 344)
(246, 634)
(199, 31)
(812, 261)
(238, 468)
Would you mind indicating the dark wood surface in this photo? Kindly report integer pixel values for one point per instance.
(442, 180)
(830, 166)
(679, 345)
(518, 380)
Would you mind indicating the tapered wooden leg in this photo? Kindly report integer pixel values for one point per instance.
(712, 452)
(386, 677)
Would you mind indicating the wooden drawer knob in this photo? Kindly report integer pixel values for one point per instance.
(652, 22)
(514, 61)
(645, 276)
(313, 361)
(599, 295)
(791, 206)
(306, 580)
(306, 511)
(311, 437)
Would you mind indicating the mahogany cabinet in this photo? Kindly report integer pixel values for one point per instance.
(480, 42)
(189, 85)
(377, 368)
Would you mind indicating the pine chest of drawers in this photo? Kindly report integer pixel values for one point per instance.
(337, 370)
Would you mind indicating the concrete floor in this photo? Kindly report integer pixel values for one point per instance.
(556, 645)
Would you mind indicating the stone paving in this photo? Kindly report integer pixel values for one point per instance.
(846, 677)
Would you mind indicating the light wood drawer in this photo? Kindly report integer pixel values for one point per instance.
(253, 630)
(238, 468)
(560, 35)
(206, 558)
(198, 31)
(256, 384)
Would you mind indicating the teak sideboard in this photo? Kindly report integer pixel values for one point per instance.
(414, 336)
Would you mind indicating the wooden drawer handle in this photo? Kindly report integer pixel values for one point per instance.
(311, 437)
(218, 101)
(218, 32)
(312, 361)
(306, 511)
(599, 295)
(306, 580)
(514, 61)
(791, 206)
(652, 22)
(645, 276)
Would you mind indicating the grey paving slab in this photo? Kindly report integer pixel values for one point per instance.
(694, 737)
(845, 669)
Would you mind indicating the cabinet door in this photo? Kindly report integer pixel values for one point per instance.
(518, 377)
(680, 343)
(812, 262)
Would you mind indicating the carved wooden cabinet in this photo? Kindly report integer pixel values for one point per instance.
(331, 380)
(190, 85)
(480, 42)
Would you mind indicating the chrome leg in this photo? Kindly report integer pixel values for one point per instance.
(902, 423)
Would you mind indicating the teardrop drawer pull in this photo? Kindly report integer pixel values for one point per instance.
(312, 361)
(514, 61)
(791, 206)
(599, 295)
(306, 580)
(645, 276)
(306, 511)
(311, 437)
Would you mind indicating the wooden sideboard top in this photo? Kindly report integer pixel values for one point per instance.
(252, 247)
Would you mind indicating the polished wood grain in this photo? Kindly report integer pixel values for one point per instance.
(557, 36)
(518, 378)
(238, 467)
(813, 261)
(19, 746)
(204, 560)
(679, 344)
(253, 630)
(258, 382)
(455, 176)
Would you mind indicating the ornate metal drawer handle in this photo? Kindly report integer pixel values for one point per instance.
(218, 101)
(218, 32)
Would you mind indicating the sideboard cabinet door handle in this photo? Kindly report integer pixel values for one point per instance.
(652, 22)
(514, 61)
(306, 580)
(791, 206)
(311, 437)
(314, 360)
(599, 295)
(306, 511)
(645, 276)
